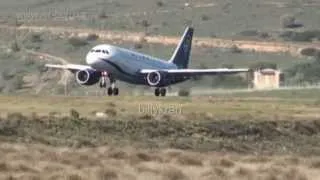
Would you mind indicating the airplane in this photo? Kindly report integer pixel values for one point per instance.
(107, 62)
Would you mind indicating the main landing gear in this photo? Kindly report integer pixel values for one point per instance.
(160, 91)
(112, 90)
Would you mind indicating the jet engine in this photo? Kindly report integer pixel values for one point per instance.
(157, 78)
(87, 77)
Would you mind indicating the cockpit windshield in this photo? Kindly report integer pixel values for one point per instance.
(99, 51)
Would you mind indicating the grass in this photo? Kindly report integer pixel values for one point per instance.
(228, 126)
(41, 162)
(217, 137)
(198, 107)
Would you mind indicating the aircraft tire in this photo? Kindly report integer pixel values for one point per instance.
(163, 91)
(110, 91)
(157, 92)
(116, 91)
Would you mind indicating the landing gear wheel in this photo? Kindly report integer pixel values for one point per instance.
(116, 91)
(110, 91)
(103, 84)
(157, 92)
(163, 91)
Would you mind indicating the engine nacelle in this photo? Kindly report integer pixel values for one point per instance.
(87, 77)
(158, 79)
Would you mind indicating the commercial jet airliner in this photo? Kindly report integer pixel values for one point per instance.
(106, 62)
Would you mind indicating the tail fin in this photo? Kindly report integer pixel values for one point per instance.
(181, 55)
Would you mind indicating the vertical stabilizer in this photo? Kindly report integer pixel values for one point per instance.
(181, 55)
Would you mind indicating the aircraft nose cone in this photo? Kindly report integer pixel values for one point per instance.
(91, 59)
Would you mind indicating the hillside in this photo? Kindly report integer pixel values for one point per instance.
(233, 33)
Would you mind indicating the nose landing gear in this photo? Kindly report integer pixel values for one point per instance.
(112, 90)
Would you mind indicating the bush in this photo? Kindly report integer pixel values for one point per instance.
(15, 47)
(2, 84)
(304, 72)
(235, 49)
(263, 65)
(74, 114)
(138, 45)
(17, 82)
(229, 81)
(35, 37)
(92, 37)
(264, 35)
(8, 74)
(289, 21)
(205, 17)
(145, 23)
(77, 42)
(160, 3)
(184, 92)
(249, 33)
(305, 36)
(310, 51)
(102, 14)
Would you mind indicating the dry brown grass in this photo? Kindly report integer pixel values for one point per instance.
(32, 162)
(192, 108)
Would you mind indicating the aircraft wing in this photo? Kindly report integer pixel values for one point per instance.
(71, 67)
(195, 72)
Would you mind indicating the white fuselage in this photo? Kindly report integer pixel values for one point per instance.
(124, 64)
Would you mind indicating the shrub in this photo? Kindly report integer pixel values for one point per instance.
(35, 37)
(111, 112)
(287, 20)
(145, 23)
(310, 51)
(15, 47)
(9, 74)
(205, 17)
(17, 82)
(74, 114)
(92, 37)
(138, 45)
(264, 35)
(306, 36)
(184, 92)
(77, 42)
(172, 173)
(249, 33)
(229, 81)
(159, 3)
(264, 65)
(2, 84)
(189, 160)
(102, 14)
(235, 49)
(226, 163)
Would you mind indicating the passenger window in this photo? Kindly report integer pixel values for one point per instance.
(98, 50)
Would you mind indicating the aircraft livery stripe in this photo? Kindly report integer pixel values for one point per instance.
(118, 68)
